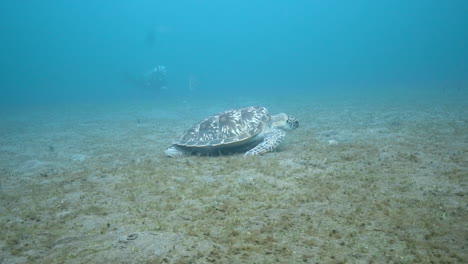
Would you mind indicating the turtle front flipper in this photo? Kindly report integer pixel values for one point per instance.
(270, 142)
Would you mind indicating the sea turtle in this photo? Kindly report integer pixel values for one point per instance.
(251, 129)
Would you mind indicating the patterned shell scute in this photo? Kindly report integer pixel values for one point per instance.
(226, 127)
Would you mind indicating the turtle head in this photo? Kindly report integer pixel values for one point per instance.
(292, 122)
(285, 122)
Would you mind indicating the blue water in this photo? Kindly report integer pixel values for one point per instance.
(61, 51)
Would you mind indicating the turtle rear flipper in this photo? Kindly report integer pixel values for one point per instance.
(175, 151)
(270, 143)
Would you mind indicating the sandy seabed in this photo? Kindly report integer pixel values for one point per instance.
(358, 182)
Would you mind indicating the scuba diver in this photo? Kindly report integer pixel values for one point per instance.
(156, 78)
